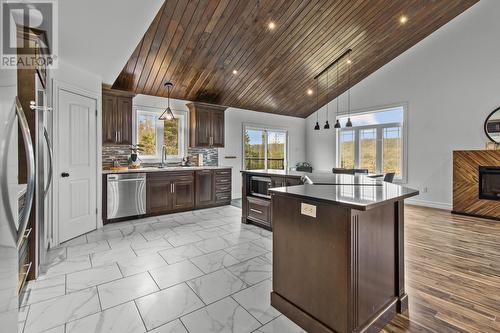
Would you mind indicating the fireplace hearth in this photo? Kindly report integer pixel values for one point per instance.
(489, 182)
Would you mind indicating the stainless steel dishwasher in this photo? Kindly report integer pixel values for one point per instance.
(126, 195)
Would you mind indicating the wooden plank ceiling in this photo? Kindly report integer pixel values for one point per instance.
(224, 52)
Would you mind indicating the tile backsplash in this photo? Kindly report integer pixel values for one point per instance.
(111, 152)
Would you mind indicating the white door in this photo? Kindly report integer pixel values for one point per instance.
(77, 156)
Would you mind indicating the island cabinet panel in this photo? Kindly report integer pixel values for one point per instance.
(346, 262)
(205, 188)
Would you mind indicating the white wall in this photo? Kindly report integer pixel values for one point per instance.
(234, 120)
(77, 77)
(451, 83)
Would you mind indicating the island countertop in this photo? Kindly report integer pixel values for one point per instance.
(319, 177)
(356, 192)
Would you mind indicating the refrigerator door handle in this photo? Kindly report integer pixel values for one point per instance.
(51, 169)
(18, 233)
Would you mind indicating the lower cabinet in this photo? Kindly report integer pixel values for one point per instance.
(205, 188)
(183, 194)
(158, 193)
(168, 192)
(259, 211)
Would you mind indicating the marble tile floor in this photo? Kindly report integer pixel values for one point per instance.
(200, 271)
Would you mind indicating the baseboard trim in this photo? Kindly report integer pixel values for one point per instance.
(431, 204)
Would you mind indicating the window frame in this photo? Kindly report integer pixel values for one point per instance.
(183, 133)
(249, 126)
(403, 179)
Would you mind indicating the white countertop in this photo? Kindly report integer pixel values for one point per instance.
(166, 169)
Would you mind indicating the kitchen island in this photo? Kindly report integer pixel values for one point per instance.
(338, 254)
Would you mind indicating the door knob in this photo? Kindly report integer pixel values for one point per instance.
(64, 174)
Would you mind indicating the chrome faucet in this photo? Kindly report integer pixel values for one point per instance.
(163, 155)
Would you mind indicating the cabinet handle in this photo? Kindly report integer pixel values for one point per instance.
(256, 211)
(172, 188)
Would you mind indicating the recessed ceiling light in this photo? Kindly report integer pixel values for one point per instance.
(349, 61)
(403, 19)
(309, 92)
(271, 25)
(235, 71)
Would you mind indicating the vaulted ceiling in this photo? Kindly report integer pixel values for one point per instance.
(228, 52)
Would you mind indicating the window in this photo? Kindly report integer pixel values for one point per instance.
(347, 149)
(153, 133)
(264, 148)
(375, 142)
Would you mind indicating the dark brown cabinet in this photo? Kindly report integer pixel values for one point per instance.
(205, 188)
(168, 192)
(158, 193)
(183, 193)
(176, 191)
(206, 125)
(116, 117)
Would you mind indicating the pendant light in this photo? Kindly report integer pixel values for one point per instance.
(337, 123)
(327, 125)
(349, 122)
(316, 127)
(167, 114)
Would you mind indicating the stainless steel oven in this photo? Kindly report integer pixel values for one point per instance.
(259, 186)
(126, 195)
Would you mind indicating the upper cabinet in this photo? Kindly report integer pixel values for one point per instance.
(116, 116)
(206, 125)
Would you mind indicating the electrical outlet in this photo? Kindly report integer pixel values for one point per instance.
(308, 210)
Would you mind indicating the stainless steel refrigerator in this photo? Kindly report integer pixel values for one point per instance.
(13, 221)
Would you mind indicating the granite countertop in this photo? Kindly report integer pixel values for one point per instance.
(320, 177)
(288, 173)
(166, 169)
(355, 192)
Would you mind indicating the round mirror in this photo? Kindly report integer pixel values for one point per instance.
(492, 126)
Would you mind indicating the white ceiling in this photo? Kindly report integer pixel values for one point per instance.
(100, 35)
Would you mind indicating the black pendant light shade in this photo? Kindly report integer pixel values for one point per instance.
(167, 114)
(316, 128)
(337, 124)
(349, 122)
(327, 125)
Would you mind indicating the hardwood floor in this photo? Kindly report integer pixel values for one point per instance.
(452, 273)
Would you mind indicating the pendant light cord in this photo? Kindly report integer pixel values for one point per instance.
(168, 100)
(337, 88)
(327, 92)
(349, 84)
(317, 99)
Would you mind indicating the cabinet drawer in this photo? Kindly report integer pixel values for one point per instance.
(225, 172)
(259, 209)
(222, 188)
(223, 197)
(222, 180)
